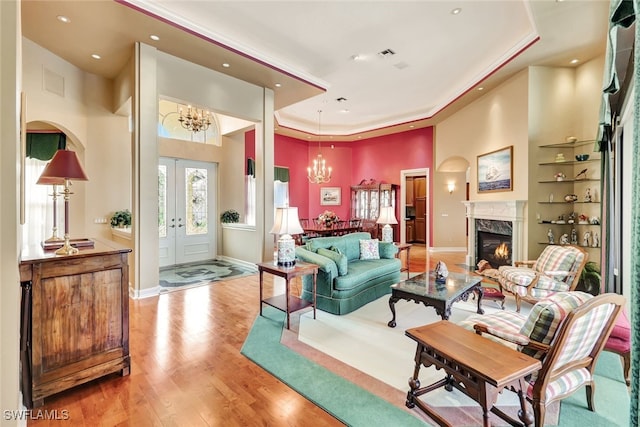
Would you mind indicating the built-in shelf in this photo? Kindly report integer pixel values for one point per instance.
(569, 203)
(555, 181)
(569, 162)
(558, 244)
(570, 144)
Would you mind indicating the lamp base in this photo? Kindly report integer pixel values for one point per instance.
(54, 236)
(67, 249)
(387, 233)
(286, 251)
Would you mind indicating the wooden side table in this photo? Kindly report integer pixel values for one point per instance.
(403, 247)
(287, 302)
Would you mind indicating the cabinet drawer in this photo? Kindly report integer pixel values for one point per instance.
(76, 265)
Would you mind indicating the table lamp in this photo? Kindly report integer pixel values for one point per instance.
(286, 223)
(387, 216)
(65, 165)
(43, 180)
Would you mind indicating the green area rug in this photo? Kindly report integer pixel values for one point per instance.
(356, 406)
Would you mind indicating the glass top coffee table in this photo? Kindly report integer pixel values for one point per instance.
(440, 296)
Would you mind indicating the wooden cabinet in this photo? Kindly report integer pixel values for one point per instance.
(75, 318)
(366, 201)
(410, 230)
(421, 219)
(409, 191)
(419, 186)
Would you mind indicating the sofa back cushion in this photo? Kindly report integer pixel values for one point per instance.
(349, 244)
(546, 316)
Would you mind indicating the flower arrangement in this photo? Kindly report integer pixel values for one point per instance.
(328, 218)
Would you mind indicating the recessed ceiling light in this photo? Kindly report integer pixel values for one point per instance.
(575, 61)
(95, 56)
(481, 88)
(63, 18)
(154, 37)
(456, 11)
(278, 85)
(226, 65)
(344, 110)
(357, 57)
(411, 126)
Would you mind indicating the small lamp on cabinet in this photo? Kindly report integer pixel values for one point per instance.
(286, 223)
(387, 216)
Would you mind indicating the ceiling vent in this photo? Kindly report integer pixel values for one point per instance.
(386, 53)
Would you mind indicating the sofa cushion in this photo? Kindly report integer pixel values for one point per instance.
(361, 272)
(338, 258)
(387, 250)
(557, 261)
(369, 249)
(347, 244)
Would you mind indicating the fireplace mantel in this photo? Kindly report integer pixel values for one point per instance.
(508, 210)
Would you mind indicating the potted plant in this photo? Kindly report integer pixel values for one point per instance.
(229, 216)
(590, 279)
(121, 219)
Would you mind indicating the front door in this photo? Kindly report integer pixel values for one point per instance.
(186, 203)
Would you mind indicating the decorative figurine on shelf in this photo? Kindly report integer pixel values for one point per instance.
(583, 219)
(586, 238)
(564, 239)
(552, 240)
(596, 240)
(587, 195)
(572, 218)
(550, 197)
(594, 220)
(574, 237)
(570, 198)
(559, 157)
(441, 272)
(582, 174)
(560, 219)
(559, 176)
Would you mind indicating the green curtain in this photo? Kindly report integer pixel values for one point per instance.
(279, 174)
(43, 146)
(622, 14)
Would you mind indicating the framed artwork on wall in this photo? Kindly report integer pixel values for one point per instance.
(330, 196)
(495, 171)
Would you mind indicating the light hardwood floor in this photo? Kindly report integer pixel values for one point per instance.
(186, 366)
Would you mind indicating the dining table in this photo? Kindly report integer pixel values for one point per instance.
(334, 230)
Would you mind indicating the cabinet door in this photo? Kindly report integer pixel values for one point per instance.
(420, 204)
(409, 192)
(420, 187)
(411, 235)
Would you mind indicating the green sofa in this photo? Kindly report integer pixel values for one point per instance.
(345, 282)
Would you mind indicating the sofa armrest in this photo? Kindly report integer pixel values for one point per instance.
(324, 264)
(387, 250)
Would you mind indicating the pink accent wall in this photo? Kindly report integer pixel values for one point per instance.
(381, 158)
(249, 147)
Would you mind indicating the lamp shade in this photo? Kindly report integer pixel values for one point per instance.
(387, 216)
(286, 222)
(47, 180)
(64, 165)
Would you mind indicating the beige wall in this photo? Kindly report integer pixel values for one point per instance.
(10, 68)
(497, 120)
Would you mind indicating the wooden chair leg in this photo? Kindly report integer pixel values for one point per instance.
(539, 412)
(626, 366)
(591, 389)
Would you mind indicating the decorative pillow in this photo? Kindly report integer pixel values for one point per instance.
(338, 258)
(369, 249)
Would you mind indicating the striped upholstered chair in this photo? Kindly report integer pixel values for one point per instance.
(557, 269)
(566, 332)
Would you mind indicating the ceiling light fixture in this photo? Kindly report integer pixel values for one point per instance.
(194, 120)
(226, 65)
(575, 61)
(481, 88)
(278, 85)
(456, 11)
(95, 56)
(63, 18)
(154, 37)
(319, 173)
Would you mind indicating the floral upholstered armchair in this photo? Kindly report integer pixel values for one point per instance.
(557, 269)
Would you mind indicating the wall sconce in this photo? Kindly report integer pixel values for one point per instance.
(451, 187)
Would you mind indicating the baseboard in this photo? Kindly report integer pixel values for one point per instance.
(144, 293)
(246, 264)
(448, 249)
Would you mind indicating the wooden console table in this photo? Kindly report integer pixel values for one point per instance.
(477, 366)
(74, 318)
(287, 302)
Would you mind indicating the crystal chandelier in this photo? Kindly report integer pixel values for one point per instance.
(319, 173)
(195, 120)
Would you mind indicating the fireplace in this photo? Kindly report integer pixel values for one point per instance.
(492, 223)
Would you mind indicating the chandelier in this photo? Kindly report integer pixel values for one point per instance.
(194, 120)
(319, 173)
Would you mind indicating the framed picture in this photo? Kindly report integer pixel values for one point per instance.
(330, 196)
(495, 170)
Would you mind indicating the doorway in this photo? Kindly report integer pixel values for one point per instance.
(186, 205)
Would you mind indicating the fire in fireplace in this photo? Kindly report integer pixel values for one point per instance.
(494, 248)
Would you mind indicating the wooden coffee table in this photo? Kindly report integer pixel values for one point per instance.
(477, 366)
(441, 296)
